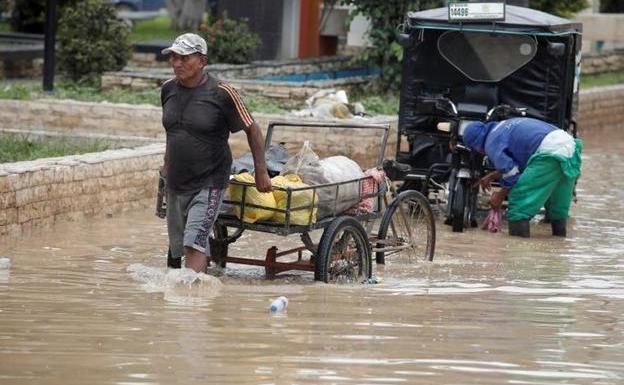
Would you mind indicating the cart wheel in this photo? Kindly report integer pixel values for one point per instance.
(409, 223)
(219, 244)
(458, 205)
(344, 254)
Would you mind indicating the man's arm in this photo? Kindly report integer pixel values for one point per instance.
(498, 198)
(486, 181)
(256, 144)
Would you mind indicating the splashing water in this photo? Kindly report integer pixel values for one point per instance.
(183, 285)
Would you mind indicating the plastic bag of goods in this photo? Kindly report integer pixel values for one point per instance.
(252, 196)
(370, 187)
(312, 171)
(301, 198)
(306, 164)
(338, 199)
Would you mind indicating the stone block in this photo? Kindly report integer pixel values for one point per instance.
(7, 200)
(90, 186)
(81, 172)
(42, 223)
(73, 216)
(12, 230)
(8, 216)
(5, 185)
(26, 213)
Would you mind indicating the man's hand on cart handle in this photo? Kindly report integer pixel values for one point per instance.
(486, 181)
(263, 181)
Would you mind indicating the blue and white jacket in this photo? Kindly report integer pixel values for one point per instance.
(509, 144)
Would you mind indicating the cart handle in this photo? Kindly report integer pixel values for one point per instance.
(378, 126)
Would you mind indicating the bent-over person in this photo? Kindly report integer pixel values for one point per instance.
(537, 165)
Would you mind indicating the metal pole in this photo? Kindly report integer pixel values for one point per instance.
(50, 41)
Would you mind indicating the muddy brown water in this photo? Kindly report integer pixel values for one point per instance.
(90, 303)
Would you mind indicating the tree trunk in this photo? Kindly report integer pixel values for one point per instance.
(186, 14)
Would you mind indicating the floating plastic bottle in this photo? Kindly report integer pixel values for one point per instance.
(279, 305)
(373, 280)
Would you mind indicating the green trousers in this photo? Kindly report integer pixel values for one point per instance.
(547, 181)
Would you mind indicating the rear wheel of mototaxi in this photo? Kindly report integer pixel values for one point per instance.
(463, 203)
(344, 253)
(407, 230)
(457, 202)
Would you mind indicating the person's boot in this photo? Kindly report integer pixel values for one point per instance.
(558, 227)
(520, 228)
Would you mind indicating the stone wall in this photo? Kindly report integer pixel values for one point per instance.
(82, 118)
(72, 117)
(147, 62)
(275, 89)
(142, 74)
(601, 108)
(600, 63)
(41, 192)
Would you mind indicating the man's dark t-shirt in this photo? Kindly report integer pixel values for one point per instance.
(198, 122)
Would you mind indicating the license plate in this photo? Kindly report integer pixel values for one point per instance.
(481, 11)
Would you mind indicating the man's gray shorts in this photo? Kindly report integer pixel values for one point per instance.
(190, 218)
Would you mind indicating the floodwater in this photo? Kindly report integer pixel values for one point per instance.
(90, 303)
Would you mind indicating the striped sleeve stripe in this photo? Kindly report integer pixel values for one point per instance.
(240, 107)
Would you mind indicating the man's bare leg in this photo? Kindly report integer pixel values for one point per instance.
(195, 259)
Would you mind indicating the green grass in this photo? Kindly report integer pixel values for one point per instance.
(32, 91)
(259, 103)
(153, 29)
(600, 80)
(144, 30)
(387, 104)
(16, 148)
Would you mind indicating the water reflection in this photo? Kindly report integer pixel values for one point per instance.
(91, 302)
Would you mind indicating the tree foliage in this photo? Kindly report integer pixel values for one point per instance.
(384, 50)
(229, 40)
(92, 40)
(563, 8)
(29, 15)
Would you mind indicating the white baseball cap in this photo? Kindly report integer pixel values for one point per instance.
(187, 44)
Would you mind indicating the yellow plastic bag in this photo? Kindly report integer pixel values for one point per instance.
(252, 196)
(298, 199)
